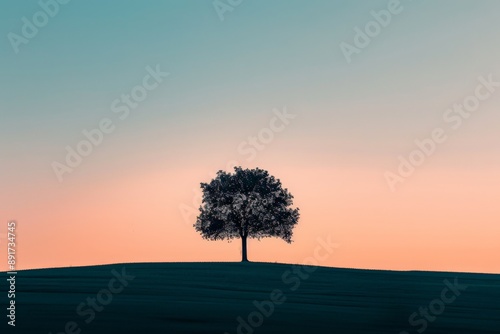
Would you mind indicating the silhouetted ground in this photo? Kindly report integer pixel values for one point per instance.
(209, 297)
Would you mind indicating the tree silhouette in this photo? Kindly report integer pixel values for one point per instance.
(248, 203)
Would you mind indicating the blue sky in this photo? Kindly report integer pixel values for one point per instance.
(265, 53)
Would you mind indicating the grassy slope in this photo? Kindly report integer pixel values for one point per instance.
(208, 297)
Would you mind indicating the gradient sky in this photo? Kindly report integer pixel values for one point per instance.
(352, 120)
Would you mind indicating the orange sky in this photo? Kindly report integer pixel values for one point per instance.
(435, 226)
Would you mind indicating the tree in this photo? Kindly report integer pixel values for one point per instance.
(248, 203)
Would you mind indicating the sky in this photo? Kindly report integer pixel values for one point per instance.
(380, 118)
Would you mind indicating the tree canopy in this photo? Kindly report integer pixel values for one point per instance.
(249, 203)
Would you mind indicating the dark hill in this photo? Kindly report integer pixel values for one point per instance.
(209, 297)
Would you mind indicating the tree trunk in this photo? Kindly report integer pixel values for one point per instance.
(244, 249)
